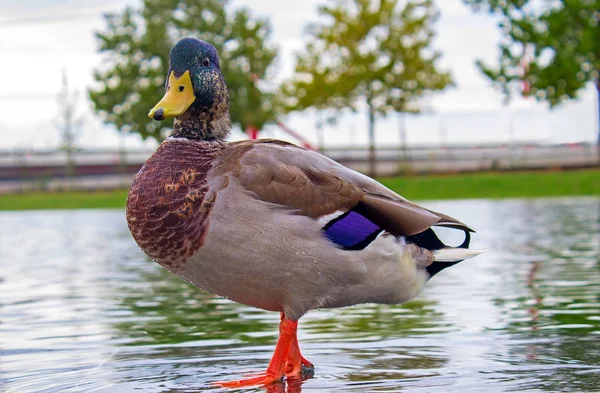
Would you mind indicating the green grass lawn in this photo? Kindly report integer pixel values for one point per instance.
(461, 186)
(64, 200)
(497, 185)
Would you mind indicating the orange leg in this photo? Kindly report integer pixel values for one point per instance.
(277, 367)
(295, 361)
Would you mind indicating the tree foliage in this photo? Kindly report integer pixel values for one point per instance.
(136, 46)
(377, 53)
(564, 37)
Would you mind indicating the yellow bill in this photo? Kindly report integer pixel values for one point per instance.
(179, 97)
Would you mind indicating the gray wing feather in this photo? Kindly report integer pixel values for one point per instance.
(314, 185)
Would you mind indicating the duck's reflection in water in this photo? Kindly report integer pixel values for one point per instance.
(290, 385)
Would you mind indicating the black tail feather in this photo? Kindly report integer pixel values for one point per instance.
(429, 240)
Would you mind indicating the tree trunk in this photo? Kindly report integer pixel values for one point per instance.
(320, 134)
(372, 158)
(598, 141)
(402, 127)
(122, 159)
(598, 90)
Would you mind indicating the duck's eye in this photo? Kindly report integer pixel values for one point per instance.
(205, 62)
(181, 88)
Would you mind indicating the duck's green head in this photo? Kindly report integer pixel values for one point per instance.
(194, 80)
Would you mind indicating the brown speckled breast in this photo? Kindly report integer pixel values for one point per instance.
(169, 204)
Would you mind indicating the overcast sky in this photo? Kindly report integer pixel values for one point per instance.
(40, 37)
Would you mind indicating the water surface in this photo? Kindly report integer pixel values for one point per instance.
(83, 310)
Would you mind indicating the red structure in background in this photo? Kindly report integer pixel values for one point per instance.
(253, 134)
(524, 64)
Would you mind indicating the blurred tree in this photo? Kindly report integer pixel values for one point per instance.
(69, 126)
(563, 38)
(136, 45)
(373, 52)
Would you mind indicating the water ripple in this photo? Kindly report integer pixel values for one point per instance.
(82, 310)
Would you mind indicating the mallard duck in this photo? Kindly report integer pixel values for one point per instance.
(269, 224)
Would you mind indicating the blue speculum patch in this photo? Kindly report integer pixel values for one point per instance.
(351, 231)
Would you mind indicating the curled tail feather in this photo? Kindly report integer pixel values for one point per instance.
(451, 254)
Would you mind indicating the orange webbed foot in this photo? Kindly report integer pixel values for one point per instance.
(260, 380)
(286, 360)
